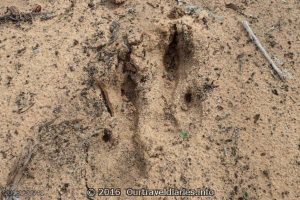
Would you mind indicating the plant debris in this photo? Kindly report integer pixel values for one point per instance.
(13, 14)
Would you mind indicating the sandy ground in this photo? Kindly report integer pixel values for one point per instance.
(149, 94)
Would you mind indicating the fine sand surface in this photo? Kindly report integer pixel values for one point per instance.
(149, 94)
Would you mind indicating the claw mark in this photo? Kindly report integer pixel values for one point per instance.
(104, 94)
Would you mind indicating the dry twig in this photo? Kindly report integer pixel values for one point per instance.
(263, 50)
(19, 167)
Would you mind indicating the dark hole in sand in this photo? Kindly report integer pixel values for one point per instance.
(129, 88)
(107, 135)
(188, 97)
(172, 55)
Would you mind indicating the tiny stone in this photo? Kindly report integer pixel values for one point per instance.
(119, 1)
